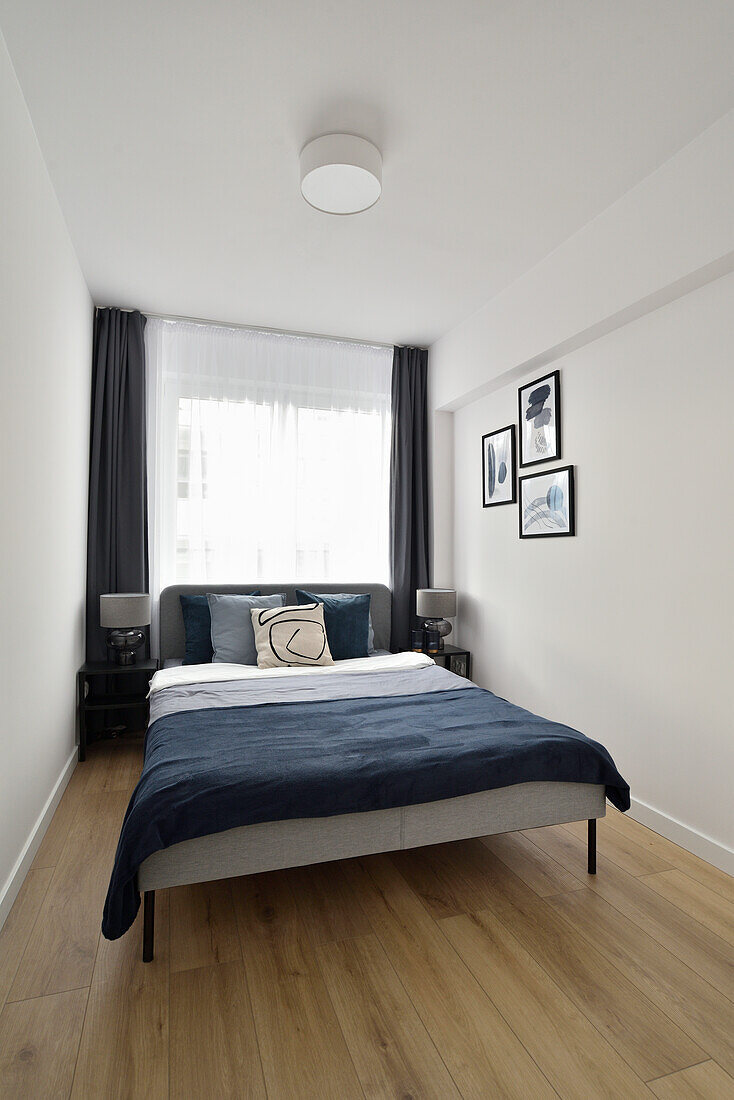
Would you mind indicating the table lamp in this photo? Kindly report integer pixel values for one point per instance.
(433, 605)
(122, 614)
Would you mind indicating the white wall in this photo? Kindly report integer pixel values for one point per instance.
(673, 232)
(625, 631)
(45, 357)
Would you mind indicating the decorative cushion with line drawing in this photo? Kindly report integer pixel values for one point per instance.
(287, 636)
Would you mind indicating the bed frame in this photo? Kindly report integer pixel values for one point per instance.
(276, 845)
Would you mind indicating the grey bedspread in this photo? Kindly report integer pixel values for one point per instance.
(303, 689)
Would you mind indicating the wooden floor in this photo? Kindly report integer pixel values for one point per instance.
(492, 968)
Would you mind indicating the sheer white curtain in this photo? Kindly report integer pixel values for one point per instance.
(268, 457)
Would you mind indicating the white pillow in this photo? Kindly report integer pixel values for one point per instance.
(287, 636)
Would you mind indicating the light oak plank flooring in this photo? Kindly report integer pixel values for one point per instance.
(641, 1034)
(214, 1048)
(688, 999)
(20, 920)
(701, 1082)
(476, 969)
(537, 870)
(479, 1048)
(38, 1045)
(61, 949)
(203, 926)
(695, 867)
(124, 1043)
(576, 1059)
(302, 1047)
(122, 767)
(698, 901)
(328, 906)
(686, 938)
(621, 849)
(57, 833)
(391, 1049)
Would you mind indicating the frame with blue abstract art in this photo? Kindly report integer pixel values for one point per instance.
(539, 412)
(547, 505)
(499, 481)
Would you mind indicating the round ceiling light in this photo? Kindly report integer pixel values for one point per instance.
(341, 173)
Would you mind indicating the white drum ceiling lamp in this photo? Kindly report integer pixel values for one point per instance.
(341, 173)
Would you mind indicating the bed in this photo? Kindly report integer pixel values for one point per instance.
(251, 770)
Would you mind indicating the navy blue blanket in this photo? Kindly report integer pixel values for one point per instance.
(210, 770)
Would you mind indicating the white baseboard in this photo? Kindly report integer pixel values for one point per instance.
(14, 881)
(713, 851)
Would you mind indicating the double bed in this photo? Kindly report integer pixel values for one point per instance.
(249, 770)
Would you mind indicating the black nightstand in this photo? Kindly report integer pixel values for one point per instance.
(454, 659)
(112, 694)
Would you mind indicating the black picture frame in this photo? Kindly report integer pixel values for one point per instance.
(512, 499)
(554, 377)
(549, 534)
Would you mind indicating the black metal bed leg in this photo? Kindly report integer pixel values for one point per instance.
(148, 925)
(592, 845)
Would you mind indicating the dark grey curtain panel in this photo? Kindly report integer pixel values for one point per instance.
(409, 564)
(117, 535)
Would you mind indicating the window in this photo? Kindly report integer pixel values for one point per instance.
(269, 456)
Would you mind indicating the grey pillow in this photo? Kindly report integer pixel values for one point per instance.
(233, 639)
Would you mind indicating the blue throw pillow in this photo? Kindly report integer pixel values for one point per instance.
(233, 635)
(198, 628)
(347, 621)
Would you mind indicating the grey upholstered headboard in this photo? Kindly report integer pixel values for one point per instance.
(172, 637)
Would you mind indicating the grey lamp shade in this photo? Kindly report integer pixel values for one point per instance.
(124, 609)
(435, 603)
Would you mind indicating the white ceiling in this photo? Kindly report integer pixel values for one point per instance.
(171, 129)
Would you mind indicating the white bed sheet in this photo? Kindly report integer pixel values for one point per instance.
(220, 672)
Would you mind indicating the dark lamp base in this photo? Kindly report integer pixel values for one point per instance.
(123, 644)
(443, 627)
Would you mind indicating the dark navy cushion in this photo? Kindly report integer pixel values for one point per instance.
(198, 627)
(347, 621)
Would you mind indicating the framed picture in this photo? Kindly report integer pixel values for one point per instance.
(539, 408)
(547, 505)
(499, 484)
